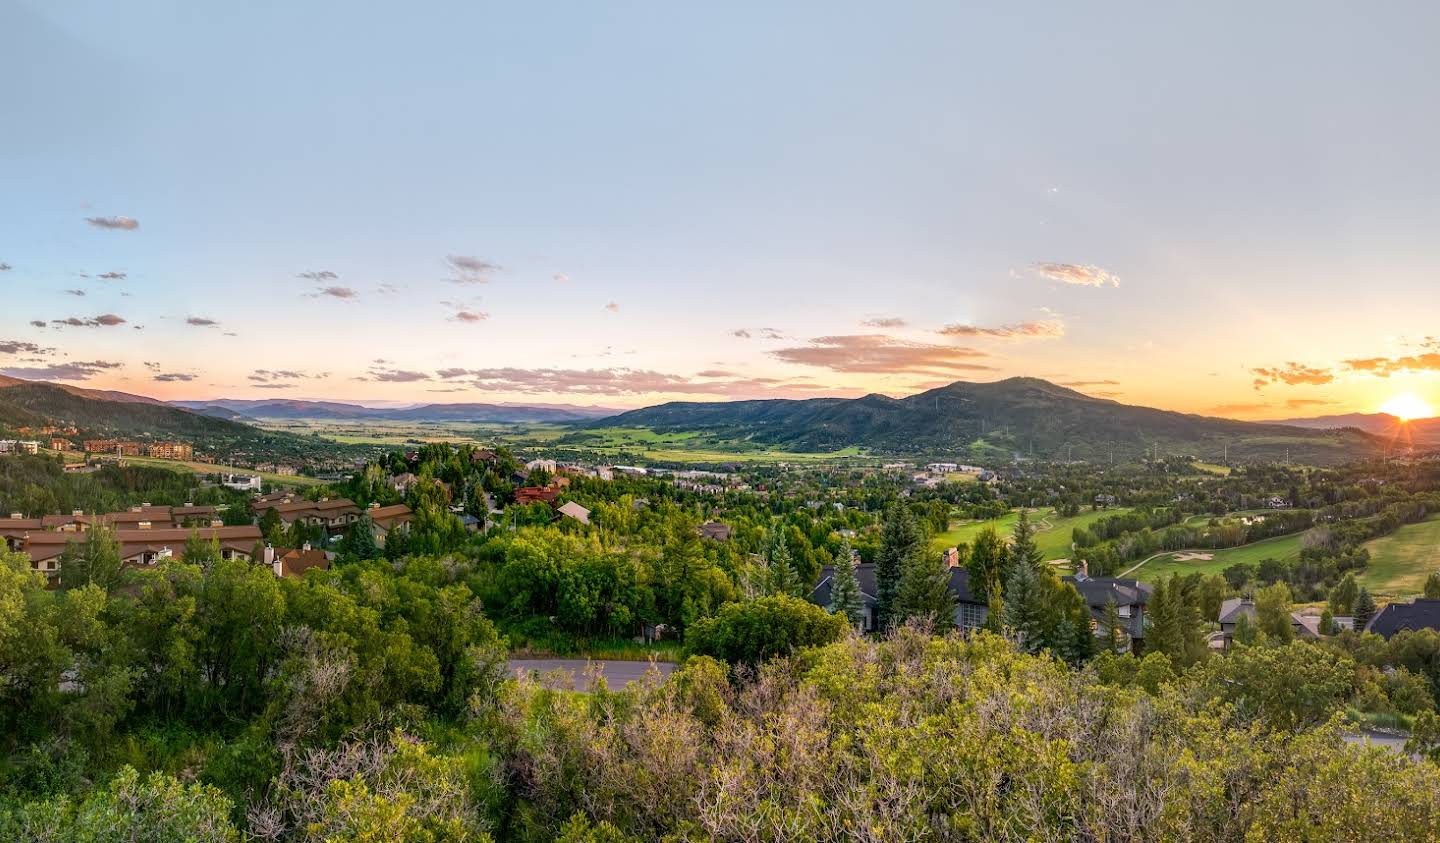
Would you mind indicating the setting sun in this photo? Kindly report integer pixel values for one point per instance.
(1407, 406)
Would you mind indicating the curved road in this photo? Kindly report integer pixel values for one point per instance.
(570, 673)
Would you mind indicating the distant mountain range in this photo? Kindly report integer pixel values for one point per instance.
(239, 409)
(1018, 416)
(1380, 424)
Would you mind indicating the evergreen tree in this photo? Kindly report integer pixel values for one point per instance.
(1364, 609)
(987, 564)
(1023, 550)
(1025, 608)
(924, 592)
(359, 541)
(899, 538)
(845, 596)
(1327, 623)
(1113, 637)
(1164, 635)
(783, 579)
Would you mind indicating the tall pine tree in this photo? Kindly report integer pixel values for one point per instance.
(1025, 609)
(899, 538)
(924, 592)
(783, 578)
(1364, 609)
(845, 596)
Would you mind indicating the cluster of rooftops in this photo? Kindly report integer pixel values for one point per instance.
(149, 534)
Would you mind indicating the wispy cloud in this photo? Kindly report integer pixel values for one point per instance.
(385, 375)
(470, 316)
(75, 292)
(22, 347)
(345, 293)
(613, 307)
(5, 267)
(201, 322)
(762, 333)
(1084, 384)
(319, 276)
(1036, 329)
(72, 371)
(37, 323)
(881, 354)
(104, 320)
(172, 377)
(471, 270)
(1300, 403)
(112, 276)
(114, 223)
(1293, 374)
(1084, 275)
(561, 277)
(272, 375)
(884, 322)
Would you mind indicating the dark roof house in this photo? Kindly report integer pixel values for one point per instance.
(1399, 617)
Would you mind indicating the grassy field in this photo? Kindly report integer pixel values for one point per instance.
(1283, 548)
(213, 468)
(1053, 536)
(1213, 468)
(1400, 562)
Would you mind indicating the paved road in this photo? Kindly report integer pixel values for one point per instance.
(617, 674)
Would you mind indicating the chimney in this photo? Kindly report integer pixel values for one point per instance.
(216, 522)
(1084, 570)
(76, 513)
(305, 547)
(268, 555)
(374, 504)
(17, 515)
(143, 525)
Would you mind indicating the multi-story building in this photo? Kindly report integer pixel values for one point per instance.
(172, 451)
(118, 447)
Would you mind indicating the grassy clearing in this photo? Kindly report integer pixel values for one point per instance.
(1400, 562)
(1053, 536)
(1213, 468)
(181, 466)
(1283, 548)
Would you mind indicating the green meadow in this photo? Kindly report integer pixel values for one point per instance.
(1400, 562)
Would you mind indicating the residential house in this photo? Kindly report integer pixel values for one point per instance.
(333, 514)
(715, 531)
(1395, 618)
(571, 509)
(1231, 610)
(242, 482)
(387, 518)
(58, 444)
(537, 494)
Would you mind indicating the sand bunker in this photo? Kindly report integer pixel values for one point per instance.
(1191, 556)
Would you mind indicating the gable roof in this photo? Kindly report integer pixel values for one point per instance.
(576, 511)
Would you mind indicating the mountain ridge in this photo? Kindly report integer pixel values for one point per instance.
(1012, 417)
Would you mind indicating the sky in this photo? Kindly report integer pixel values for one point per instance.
(1223, 208)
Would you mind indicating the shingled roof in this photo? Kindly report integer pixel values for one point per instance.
(1398, 617)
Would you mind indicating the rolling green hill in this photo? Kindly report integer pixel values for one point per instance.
(97, 414)
(1018, 416)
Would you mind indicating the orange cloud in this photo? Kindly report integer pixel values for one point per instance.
(881, 354)
(1040, 329)
(1293, 374)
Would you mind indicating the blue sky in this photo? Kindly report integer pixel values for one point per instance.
(656, 180)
